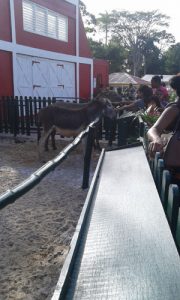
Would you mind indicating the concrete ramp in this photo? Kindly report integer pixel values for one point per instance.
(125, 250)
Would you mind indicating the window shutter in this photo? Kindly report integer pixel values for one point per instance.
(28, 16)
(40, 16)
(52, 25)
(40, 20)
(62, 29)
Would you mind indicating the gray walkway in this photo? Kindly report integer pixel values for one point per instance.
(127, 251)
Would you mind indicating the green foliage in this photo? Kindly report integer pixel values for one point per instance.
(172, 96)
(104, 23)
(98, 49)
(149, 119)
(139, 33)
(172, 59)
(133, 42)
(88, 18)
(116, 55)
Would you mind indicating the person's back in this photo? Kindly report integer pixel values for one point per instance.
(168, 121)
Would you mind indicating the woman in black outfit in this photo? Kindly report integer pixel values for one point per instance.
(168, 121)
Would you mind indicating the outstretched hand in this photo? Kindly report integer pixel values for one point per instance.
(119, 108)
(155, 146)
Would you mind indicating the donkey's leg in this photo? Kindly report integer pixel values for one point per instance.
(52, 133)
(43, 141)
(46, 142)
(97, 135)
(53, 141)
(97, 145)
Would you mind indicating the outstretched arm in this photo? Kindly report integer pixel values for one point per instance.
(132, 107)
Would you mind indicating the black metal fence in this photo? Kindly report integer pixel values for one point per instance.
(19, 115)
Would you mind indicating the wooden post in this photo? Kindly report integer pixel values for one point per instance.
(13, 114)
(17, 118)
(27, 119)
(22, 115)
(6, 111)
(31, 111)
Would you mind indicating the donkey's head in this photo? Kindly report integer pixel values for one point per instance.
(100, 107)
(108, 109)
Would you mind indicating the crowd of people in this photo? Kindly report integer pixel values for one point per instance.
(168, 121)
(154, 100)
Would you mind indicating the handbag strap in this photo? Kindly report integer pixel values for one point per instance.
(177, 126)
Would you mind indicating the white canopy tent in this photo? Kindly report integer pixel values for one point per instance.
(165, 78)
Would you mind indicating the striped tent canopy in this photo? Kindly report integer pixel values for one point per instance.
(124, 79)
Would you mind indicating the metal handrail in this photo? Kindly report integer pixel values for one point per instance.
(11, 195)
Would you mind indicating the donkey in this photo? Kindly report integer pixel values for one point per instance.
(69, 119)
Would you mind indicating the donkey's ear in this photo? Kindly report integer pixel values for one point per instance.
(106, 102)
(103, 100)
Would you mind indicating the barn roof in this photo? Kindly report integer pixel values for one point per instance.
(165, 78)
(116, 79)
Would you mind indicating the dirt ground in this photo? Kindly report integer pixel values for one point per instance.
(36, 230)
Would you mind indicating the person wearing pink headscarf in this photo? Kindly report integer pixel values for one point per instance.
(159, 90)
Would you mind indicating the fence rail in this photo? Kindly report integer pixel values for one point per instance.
(11, 195)
(19, 116)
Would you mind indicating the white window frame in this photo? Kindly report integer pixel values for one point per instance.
(47, 12)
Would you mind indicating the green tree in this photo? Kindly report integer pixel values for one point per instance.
(97, 48)
(172, 59)
(116, 55)
(135, 31)
(153, 62)
(104, 23)
(88, 19)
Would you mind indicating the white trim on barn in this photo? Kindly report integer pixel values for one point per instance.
(13, 44)
(75, 2)
(13, 28)
(38, 53)
(17, 49)
(39, 77)
(20, 49)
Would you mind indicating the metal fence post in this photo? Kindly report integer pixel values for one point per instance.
(87, 157)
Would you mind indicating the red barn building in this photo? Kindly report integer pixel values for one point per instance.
(44, 50)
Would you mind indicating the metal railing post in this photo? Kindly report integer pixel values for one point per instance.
(87, 157)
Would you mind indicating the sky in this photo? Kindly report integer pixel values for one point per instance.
(169, 8)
